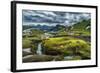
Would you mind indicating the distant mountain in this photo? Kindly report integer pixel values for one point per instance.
(40, 27)
(58, 27)
(26, 27)
(82, 25)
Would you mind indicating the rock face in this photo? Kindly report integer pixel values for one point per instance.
(37, 58)
(26, 57)
(41, 58)
(26, 52)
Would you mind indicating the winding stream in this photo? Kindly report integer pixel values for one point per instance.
(39, 53)
(39, 49)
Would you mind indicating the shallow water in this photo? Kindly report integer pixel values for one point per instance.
(39, 49)
(68, 57)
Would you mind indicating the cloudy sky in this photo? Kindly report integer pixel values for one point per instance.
(52, 17)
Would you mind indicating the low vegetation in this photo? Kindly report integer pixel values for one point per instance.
(66, 47)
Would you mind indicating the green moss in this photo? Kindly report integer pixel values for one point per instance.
(33, 48)
(70, 46)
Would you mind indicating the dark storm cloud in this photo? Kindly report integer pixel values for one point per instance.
(38, 16)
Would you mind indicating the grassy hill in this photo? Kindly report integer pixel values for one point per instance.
(83, 25)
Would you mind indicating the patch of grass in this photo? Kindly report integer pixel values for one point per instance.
(82, 33)
(26, 43)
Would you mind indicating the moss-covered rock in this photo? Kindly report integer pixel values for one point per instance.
(71, 46)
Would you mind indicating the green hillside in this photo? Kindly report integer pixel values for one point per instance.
(82, 25)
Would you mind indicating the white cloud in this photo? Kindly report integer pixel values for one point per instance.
(49, 13)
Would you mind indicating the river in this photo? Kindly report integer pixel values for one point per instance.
(39, 49)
